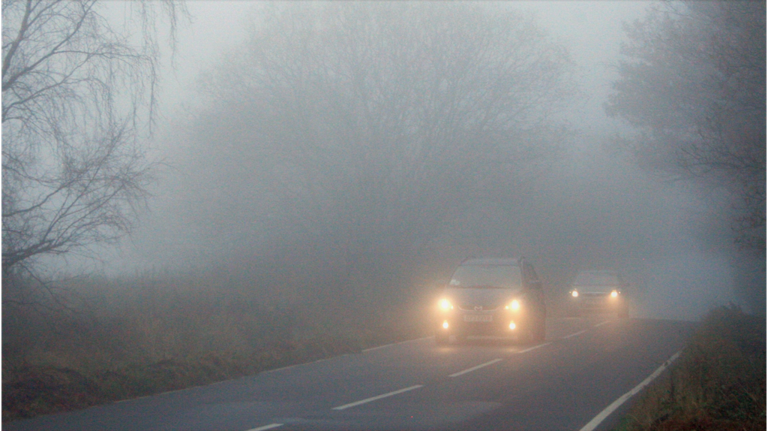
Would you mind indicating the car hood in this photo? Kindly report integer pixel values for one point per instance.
(596, 289)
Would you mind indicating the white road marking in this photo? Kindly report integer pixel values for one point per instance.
(602, 323)
(368, 400)
(415, 339)
(380, 347)
(394, 344)
(574, 334)
(474, 368)
(326, 359)
(283, 368)
(534, 347)
(616, 404)
(266, 427)
(305, 363)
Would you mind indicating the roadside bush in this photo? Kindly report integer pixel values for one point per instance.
(148, 334)
(718, 382)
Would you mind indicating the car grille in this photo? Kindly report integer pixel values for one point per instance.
(594, 299)
(594, 295)
(482, 307)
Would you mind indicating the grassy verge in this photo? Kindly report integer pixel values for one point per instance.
(39, 389)
(717, 384)
(143, 336)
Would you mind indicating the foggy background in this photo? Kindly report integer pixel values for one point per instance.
(586, 205)
(200, 191)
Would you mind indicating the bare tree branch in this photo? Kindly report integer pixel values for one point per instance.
(77, 95)
(375, 126)
(694, 82)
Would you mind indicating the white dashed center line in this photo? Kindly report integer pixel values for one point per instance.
(266, 427)
(379, 347)
(574, 334)
(394, 344)
(368, 400)
(474, 368)
(534, 348)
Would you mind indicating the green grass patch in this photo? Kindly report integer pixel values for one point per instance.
(717, 384)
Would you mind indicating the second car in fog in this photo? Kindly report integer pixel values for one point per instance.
(598, 291)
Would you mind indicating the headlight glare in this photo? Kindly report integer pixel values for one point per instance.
(575, 294)
(445, 305)
(614, 294)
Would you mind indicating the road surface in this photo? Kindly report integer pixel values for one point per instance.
(573, 380)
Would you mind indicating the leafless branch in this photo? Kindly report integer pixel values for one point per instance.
(77, 93)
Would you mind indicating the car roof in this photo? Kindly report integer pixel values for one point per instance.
(490, 261)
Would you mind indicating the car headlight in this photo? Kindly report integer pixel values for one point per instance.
(445, 305)
(514, 305)
(615, 294)
(575, 293)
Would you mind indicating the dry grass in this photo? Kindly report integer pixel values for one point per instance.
(150, 334)
(717, 384)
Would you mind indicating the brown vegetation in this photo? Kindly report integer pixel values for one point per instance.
(151, 334)
(717, 384)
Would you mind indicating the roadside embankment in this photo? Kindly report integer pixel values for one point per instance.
(717, 384)
(147, 335)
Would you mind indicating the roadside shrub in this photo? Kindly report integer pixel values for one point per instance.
(148, 334)
(718, 382)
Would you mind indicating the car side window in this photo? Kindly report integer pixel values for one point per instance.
(530, 275)
(533, 275)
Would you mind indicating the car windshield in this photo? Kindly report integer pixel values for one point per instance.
(487, 276)
(598, 280)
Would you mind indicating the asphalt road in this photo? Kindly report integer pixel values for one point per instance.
(564, 383)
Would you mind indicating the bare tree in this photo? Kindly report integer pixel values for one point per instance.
(375, 126)
(78, 98)
(693, 83)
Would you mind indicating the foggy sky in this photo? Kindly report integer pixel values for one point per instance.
(673, 262)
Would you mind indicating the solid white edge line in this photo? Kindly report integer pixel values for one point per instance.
(378, 397)
(363, 351)
(602, 323)
(534, 347)
(416, 339)
(394, 344)
(469, 370)
(616, 404)
(379, 347)
(281, 369)
(266, 427)
(574, 334)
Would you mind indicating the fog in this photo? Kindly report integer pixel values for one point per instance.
(568, 199)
